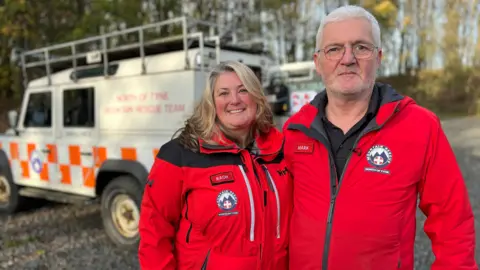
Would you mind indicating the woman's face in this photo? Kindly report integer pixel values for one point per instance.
(234, 105)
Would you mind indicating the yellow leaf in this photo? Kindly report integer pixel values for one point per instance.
(385, 7)
(5, 30)
(407, 21)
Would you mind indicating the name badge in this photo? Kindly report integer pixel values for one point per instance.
(222, 178)
(306, 148)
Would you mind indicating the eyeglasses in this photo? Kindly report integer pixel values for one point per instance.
(360, 51)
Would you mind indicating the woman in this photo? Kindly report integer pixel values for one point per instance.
(219, 195)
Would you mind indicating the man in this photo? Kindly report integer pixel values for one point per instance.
(360, 154)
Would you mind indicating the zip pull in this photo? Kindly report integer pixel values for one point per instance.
(334, 189)
(264, 198)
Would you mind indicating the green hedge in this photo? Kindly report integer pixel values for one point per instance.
(449, 92)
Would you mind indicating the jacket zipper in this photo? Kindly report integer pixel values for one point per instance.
(187, 237)
(336, 189)
(252, 205)
(277, 197)
(205, 262)
(188, 233)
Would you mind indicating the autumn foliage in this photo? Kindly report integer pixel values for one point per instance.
(431, 48)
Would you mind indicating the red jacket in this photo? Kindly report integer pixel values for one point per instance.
(367, 220)
(219, 208)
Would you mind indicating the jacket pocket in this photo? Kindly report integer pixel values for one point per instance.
(187, 238)
(281, 260)
(218, 261)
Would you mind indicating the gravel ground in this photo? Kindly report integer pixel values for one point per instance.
(71, 237)
(60, 237)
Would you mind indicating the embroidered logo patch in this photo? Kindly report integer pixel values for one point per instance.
(222, 178)
(379, 156)
(227, 202)
(304, 148)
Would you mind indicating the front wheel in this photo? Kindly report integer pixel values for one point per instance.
(10, 200)
(121, 211)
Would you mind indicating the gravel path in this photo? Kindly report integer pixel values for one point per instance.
(60, 237)
(72, 237)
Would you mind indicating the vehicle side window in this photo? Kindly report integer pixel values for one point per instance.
(79, 107)
(39, 110)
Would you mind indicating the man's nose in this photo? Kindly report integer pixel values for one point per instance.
(348, 57)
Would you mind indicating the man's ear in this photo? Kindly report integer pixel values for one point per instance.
(316, 61)
(380, 57)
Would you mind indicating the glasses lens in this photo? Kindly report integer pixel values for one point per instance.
(363, 51)
(335, 52)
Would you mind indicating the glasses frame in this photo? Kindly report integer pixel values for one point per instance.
(353, 52)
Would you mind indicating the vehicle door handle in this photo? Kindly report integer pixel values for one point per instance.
(86, 153)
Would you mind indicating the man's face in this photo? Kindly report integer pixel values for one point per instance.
(346, 74)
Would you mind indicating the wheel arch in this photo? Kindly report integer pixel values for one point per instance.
(113, 168)
(5, 165)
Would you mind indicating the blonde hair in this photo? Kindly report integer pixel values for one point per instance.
(203, 124)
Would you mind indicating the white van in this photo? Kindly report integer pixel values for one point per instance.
(92, 125)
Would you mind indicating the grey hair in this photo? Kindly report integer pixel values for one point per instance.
(350, 12)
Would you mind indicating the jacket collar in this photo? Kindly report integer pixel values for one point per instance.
(309, 118)
(264, 144)
(321, 101)
(382, 103)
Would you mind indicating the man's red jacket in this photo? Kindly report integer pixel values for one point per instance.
(218, 208)
(367, 219)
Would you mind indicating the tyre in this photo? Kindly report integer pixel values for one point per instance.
(10, 200)
(120, 204)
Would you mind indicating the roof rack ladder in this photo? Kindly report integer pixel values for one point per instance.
(141, 39)
(45, 57)
(104, 48)
(105, 55)
(185, 41)
(74, 61)
(24, 70)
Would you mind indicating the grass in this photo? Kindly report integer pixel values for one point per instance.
(12, 243)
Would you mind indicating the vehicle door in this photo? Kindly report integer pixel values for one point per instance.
(34, 155)
(77, 138)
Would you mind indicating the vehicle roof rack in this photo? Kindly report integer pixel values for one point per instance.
(176, 34)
